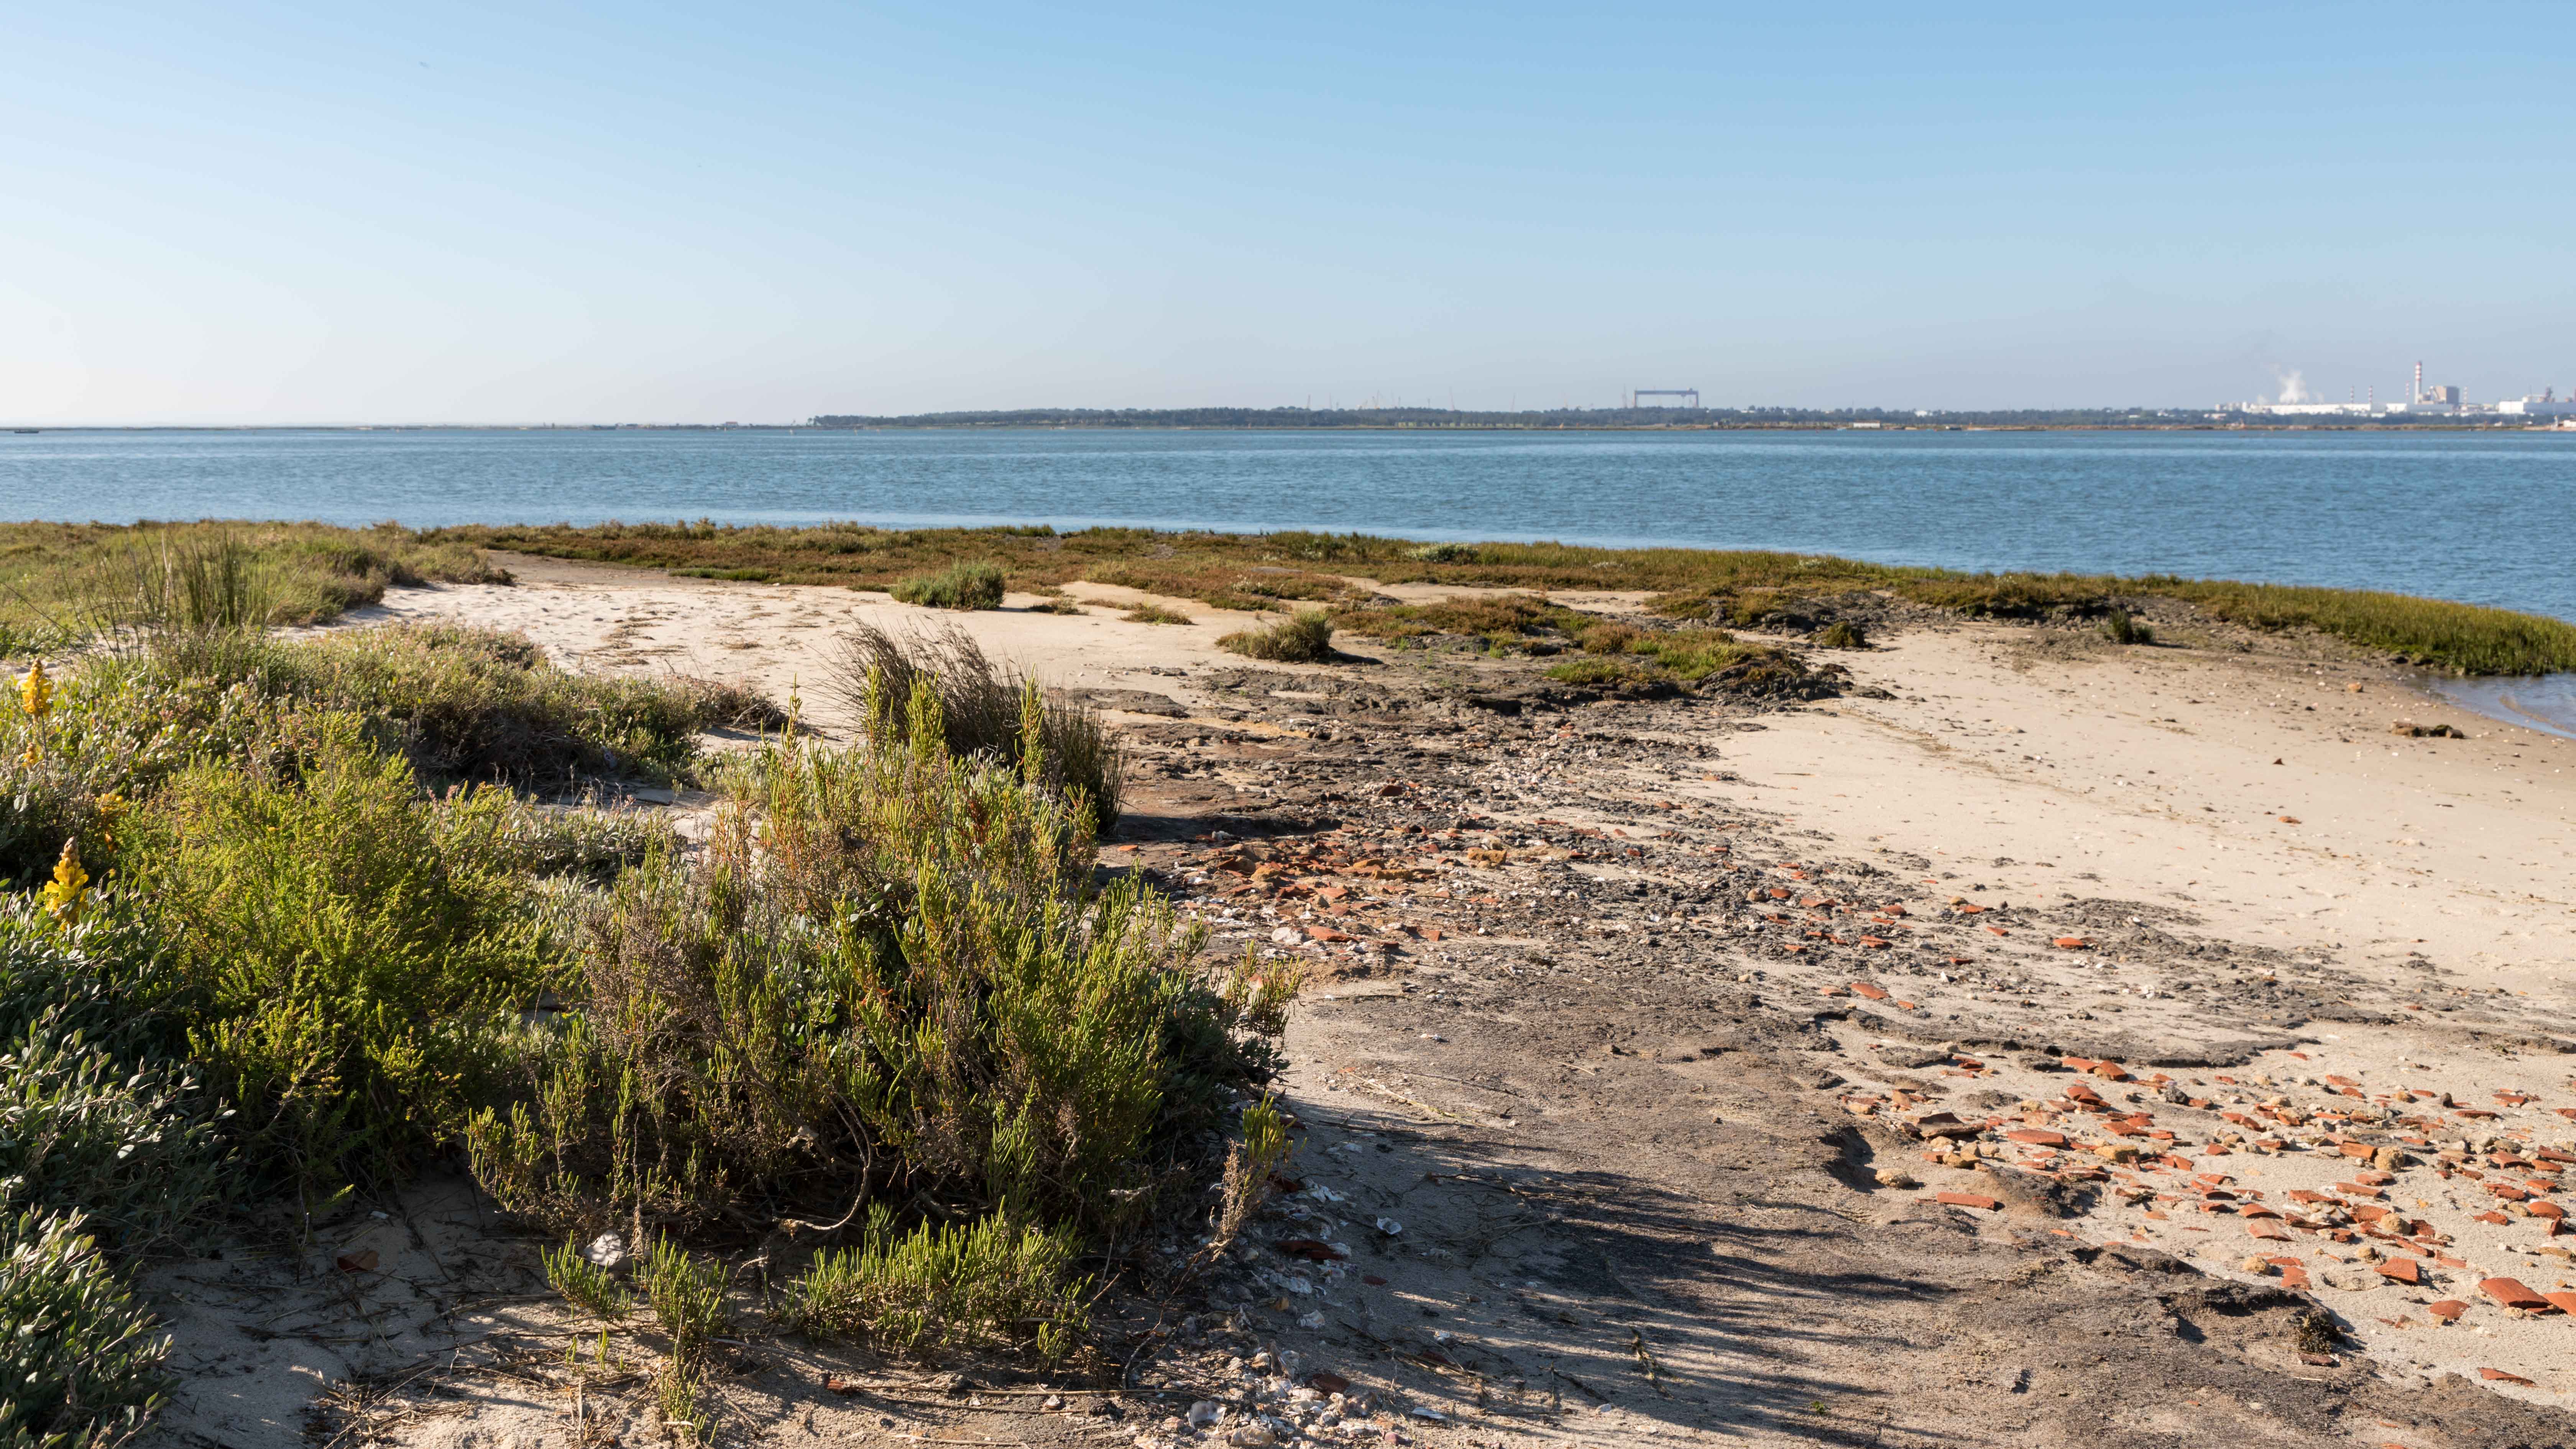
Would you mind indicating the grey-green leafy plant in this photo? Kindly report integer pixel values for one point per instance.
(80, 1362)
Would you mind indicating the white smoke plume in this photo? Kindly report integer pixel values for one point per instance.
(2294, 389)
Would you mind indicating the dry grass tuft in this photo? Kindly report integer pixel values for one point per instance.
(1306, 638)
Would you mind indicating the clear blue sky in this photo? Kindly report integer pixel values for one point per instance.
(267, 213)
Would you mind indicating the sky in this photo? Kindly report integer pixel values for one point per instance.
(275, 214)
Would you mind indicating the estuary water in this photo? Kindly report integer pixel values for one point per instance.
(2484, 518)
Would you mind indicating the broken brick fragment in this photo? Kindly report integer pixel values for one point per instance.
(2447, 1310)
(1967, 1200)
(2512, 1294)
(2499, 1376)
(2402, 1270)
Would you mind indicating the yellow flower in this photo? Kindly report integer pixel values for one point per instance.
(62, 895)
(28, 757)
(36, 691)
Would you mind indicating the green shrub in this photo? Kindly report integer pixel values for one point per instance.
(872, 675)
(80, 1367)
(588, 842)
(110, 978)
(2121, 627)
(355, 952)
(958, 586)
(989, 1284)
(1843, 634)
(461, 702)
(1305, 638)
(883, 974)
(134, 1150)
(686, 1294)
(583, 1283)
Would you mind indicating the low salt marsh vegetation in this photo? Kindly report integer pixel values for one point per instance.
(289, 928)
(1302, 638)
(60, 582)
(1743, 588)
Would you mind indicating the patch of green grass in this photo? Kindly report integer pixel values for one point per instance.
(1506, 622)
(1156, 614)
(1604, 671)
(1305, 638)
(992, 1283)
(959, 586)
(61, 581)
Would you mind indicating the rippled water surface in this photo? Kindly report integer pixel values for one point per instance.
(2490, 519)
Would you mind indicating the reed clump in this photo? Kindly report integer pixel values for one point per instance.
(1304, 638)
(872, 674)
(959, 586)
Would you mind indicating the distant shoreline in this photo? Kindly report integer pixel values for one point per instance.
(2496, 425)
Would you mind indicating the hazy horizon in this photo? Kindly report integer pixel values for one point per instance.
(287, 215)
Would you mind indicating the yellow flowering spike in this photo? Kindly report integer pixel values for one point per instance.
(28, 757)
(62, 894)
(36, 691)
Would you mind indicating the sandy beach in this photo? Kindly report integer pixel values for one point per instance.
(2014, 1048)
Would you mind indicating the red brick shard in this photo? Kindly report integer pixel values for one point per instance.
(1966, 1200)
(2512, 1294)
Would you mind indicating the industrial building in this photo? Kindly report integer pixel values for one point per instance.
(2433, 400)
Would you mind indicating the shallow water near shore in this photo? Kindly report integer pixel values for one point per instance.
(2481, 518)
(2488, 519)
(2547, 703)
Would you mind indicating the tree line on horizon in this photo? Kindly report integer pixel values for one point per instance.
(1533, 418)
